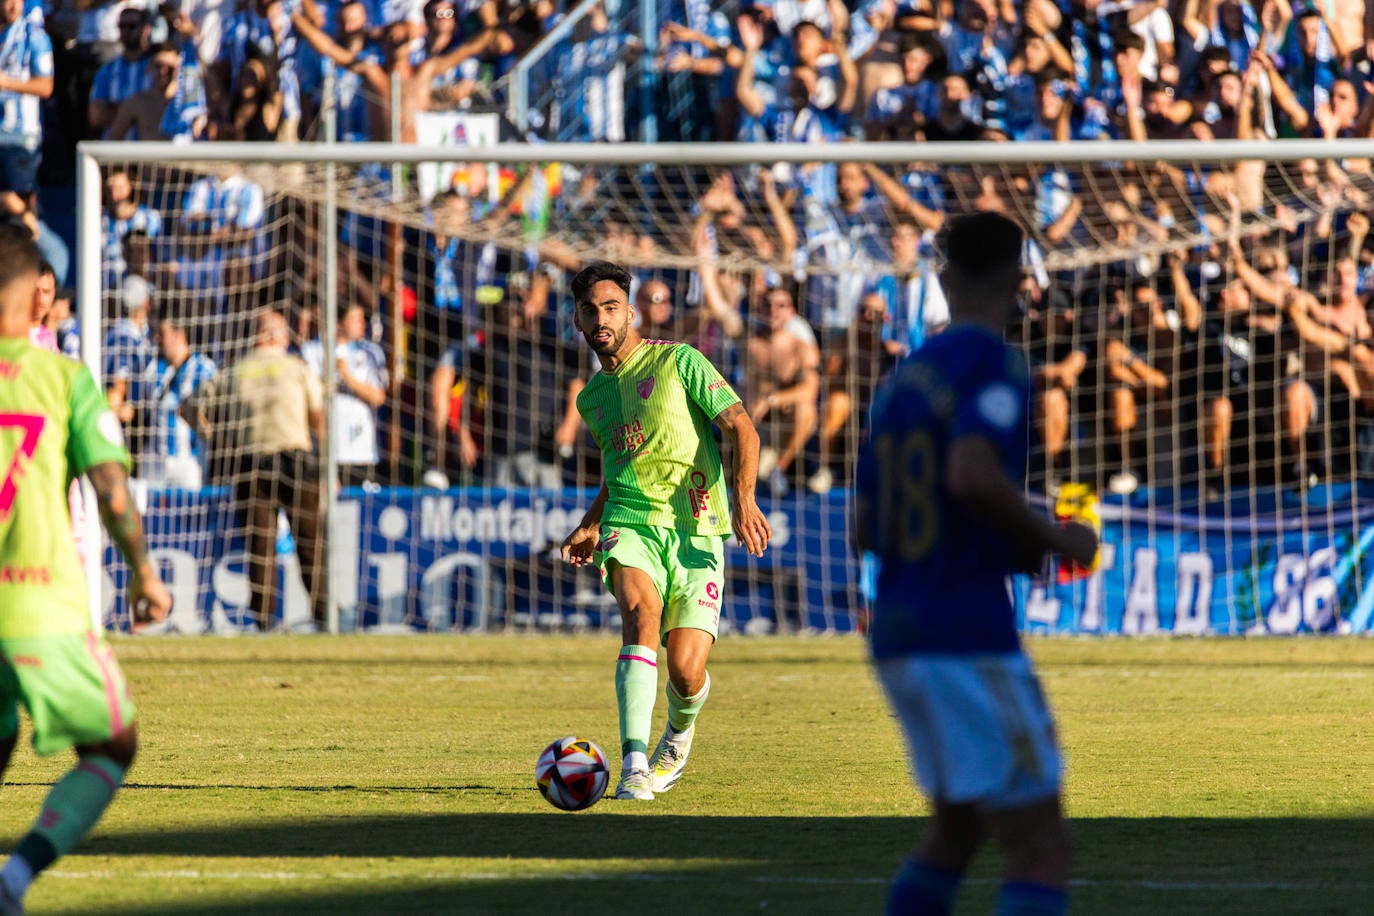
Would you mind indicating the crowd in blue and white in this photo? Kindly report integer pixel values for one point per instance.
(851, 245)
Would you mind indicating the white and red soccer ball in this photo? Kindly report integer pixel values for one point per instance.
(572, 773)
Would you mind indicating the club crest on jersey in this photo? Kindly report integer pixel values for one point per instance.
(608, 540)
(646, 387)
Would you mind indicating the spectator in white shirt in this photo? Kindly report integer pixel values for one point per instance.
(360, 369)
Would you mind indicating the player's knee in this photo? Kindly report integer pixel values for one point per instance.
(687, 662)
(122, 748)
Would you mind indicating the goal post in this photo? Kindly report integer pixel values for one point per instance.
(1191, 319)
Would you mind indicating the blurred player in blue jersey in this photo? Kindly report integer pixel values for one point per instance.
(940, 504)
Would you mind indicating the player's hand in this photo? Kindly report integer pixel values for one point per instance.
(149, 600)
(1077, 543)
(577, 547)
(752, 530)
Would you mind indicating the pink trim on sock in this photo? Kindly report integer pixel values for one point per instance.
(637, 658)
(85, 767)
(107, 674)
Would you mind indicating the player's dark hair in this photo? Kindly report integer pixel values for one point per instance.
(18, 254)
(982, 244)
(46, 270)
(594, 273)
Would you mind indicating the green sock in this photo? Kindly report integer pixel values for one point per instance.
(682, 711)
(636, 689)
(77, 802)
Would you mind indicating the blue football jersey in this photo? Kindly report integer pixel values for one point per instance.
(942, 578)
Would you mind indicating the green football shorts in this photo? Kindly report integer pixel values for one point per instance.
(71, 685)
(688, 571)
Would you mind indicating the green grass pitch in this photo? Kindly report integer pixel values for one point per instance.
(392, 775)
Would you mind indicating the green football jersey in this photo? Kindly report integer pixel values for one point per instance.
(652, 419)
(54, 424)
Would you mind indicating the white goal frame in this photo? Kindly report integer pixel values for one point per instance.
(92, 155)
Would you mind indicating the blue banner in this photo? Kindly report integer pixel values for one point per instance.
(487, 559)
(475, 559)
(1269, 564)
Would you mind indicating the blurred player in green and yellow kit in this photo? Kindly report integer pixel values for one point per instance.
(658, 527)
(55, 425)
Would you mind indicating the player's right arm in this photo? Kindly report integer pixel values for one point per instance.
(578, 546)
(148, 597)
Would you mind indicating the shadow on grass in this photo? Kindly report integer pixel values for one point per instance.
(1208, 866)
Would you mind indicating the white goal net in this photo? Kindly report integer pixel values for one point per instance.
(1197, 330)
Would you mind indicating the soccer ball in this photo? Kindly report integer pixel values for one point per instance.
(572, 773)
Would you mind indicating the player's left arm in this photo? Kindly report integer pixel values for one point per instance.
(751, 527)
(148, 597)
(715, 398)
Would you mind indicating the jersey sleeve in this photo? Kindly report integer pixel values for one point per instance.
(993, 404)
(704, 384)
(95, 436)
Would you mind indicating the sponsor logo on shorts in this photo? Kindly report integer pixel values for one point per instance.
(27, 661)
(698, 493)
(712, 599)
(28, 575)
(608, 540)
(645, 387)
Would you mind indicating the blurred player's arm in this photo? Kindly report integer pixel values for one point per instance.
(147, 595)
(974, 477)
(577, 547)
(751, 528)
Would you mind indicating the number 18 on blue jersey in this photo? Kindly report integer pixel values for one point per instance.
(942, 578)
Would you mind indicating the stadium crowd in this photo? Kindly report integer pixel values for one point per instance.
(1222, 308)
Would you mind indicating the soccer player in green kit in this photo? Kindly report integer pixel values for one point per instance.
(55, 424)
(657, 529)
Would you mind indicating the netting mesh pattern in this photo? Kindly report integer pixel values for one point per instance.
(1196, 332)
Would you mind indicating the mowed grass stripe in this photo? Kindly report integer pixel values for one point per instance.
(396, 775)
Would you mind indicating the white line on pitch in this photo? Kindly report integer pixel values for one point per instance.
(1137, 884)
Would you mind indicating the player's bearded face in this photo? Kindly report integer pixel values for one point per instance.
(605, 332)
